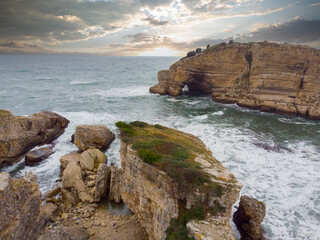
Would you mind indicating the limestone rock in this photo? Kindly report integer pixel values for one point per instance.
(38, 155)
(46, 211)
(101, 182)
(70, 157)
(115, 184)
(91, 159)
(72, 178)
(93, 136)
(72, 232)
(18, 135)
(267, 76)
(52, 193)
(20, 201)
(155, 197)
(248, 218)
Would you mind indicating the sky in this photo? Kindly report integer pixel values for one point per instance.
(151, 27)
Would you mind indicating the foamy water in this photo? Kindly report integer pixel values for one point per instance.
(276, 157)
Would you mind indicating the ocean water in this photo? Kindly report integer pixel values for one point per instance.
(276, 157)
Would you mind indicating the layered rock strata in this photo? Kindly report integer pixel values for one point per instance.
(266, 76)
(18, 135)
(157, 198)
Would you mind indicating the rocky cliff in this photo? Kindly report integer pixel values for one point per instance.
(174, 185)
(19, 134)
(21, 214)
(266, 76)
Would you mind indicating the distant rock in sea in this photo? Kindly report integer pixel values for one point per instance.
(271, 77)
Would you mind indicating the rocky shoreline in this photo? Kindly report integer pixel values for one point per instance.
(168, 179)
(270, 77)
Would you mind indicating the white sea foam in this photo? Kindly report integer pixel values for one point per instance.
(219, 113)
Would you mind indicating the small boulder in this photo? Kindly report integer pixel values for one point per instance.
(52, 193)
(93, 136)
(36, 156)
(248, 218)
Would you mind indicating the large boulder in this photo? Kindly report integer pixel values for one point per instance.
(115, 184)
(101, 182)
(93, 136)
(19, 134)
(248, 218)
(36, 156)
(21, 216)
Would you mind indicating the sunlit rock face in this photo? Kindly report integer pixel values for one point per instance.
(266, 76)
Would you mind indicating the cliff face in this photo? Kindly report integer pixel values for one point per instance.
(266, 76)
(21, 214)
(159, 191)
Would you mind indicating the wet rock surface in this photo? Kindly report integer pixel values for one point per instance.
(36, 156)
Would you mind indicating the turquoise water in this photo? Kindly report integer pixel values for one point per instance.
(276, 157)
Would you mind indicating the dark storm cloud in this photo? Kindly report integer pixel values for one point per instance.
(294, 31)
(64, 19)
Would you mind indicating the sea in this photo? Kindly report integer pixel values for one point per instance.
(276, 157)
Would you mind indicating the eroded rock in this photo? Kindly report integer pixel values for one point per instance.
(93, 136)
(267, 76)
(18, 135)
(115, 184)
(20, 214)
(248, 218)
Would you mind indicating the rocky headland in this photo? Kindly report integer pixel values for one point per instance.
(271, 77)
(169, 180)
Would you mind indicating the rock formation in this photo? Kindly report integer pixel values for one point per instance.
(84, 176)
(18, 135)
(248, 218)
(36, 156)
(169, 175)
(21, 215)
(93, 136)
(266, 76)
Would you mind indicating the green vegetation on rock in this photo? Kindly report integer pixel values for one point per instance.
(167, 149)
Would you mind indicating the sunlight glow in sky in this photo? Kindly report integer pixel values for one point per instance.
(152, 27)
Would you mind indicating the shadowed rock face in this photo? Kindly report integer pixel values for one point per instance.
(249, 217)
(18, 135)
(266, 76)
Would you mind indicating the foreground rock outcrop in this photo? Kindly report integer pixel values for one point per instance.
(21, 214)
(248, 218)
(172, 182)
(18, 135)
(266, 76)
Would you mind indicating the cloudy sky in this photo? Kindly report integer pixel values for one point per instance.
(151, 27)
